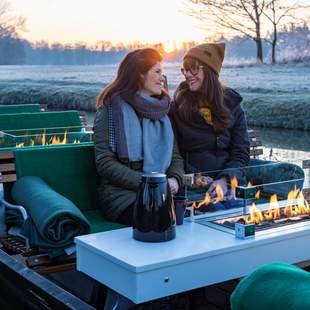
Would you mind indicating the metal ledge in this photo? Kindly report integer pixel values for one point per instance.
(32, 290)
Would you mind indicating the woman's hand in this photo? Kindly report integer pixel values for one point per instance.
(222, 183)
(203, 181)
(174, 185)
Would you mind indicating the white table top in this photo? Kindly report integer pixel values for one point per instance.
(193, 241)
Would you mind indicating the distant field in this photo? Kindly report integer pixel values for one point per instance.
(274, 96)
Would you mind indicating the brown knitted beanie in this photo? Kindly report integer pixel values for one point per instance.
(211, 54)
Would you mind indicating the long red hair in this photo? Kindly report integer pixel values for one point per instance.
(128, 79)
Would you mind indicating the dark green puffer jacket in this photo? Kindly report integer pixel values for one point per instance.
(119, 181)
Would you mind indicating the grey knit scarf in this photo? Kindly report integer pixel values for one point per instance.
(141, 130)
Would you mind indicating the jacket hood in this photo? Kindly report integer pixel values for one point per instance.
(231, 98)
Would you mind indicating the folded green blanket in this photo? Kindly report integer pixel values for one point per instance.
(276, 286)
(53, 220)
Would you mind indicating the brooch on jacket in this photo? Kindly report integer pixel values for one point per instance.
(206, 114)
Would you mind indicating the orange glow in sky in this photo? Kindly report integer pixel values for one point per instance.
(70, 21)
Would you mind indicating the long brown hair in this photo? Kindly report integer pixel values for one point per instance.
(211, 95)
(128, 79)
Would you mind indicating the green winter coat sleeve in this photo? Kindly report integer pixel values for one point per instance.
(176, 168)
(108, 166)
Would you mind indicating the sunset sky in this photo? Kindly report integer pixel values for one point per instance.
(69, 21)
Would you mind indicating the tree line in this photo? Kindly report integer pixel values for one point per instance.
(11, 50)
(240, 22)
(258, 20)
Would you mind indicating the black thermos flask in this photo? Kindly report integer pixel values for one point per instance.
(154, 215)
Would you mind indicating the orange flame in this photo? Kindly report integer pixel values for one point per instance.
(255, 216)
(296, 205)
(53, 140)
(57, 140)
(219, 193)
(234, 182)
(64, 141)
(289, 209)
(273, 211)
(43, 139)
(303, 204)
(205, 201)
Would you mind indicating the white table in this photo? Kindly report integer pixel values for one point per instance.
(199, 256)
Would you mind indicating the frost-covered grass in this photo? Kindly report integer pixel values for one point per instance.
(80, 96)
(286, 110)
(274, 96)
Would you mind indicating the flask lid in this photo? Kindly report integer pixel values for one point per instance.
(154, 176)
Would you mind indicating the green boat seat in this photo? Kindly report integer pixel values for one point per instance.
(69, 170)
(98, 223)
(38, 123)
(19, 108)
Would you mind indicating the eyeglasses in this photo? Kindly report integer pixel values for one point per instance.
(193, 71)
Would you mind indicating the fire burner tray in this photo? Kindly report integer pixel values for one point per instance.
(266, 227)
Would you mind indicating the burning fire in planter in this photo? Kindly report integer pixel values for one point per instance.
(46, 141)
(207, 200)
(293, 208)
(296, 205)
(219, 194)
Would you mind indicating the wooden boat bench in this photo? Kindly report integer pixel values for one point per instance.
(255, 144)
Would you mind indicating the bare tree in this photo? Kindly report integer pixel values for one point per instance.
(9, 23)
(238, 16)
(277, 12)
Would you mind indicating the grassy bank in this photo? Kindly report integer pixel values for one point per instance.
(289, 110)
(80, 96)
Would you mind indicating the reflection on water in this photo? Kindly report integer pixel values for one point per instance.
(285, 139)
(284, 144)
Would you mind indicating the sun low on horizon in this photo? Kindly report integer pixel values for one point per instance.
(118, 21)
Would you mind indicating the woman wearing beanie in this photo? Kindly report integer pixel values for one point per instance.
(133, 134)
(208, 120)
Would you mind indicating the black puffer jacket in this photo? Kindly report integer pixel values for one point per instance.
(203, 150)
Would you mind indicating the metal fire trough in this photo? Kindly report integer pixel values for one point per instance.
(269, 196)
